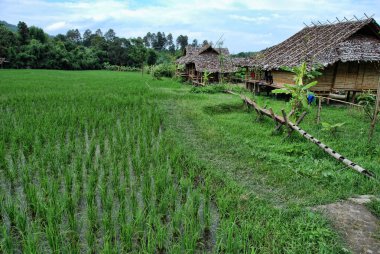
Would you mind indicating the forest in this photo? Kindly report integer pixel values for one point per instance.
(31, 47)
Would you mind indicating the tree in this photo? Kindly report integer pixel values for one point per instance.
(138, 53)
(204, 43)
(23, 32)
(99, 32)
(169, 43)
(74, 36)
(7, 40)
(151, 57)
(38, 34)
(110, 35)
(87, 38)
(118, 51)
(160, 42)
(195, 43)
(182, 42)
(148, 40)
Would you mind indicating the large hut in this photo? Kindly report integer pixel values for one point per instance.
(348, 51)
(196, 61)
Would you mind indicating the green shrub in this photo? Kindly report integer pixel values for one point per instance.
(163, 70)
(110, 67)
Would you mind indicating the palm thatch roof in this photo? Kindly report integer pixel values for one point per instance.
(324, 44)
(208, 58)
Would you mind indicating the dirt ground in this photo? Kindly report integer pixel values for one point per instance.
(358, 227)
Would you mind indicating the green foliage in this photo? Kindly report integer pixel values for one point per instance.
(332, 128)
(299, 91)
(206, 75)
(368, 100)
(110, 67)
(240, 73)
(374, 207)
(163, 70)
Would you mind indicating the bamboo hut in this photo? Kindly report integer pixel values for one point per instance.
(348, 51)
(199, 60)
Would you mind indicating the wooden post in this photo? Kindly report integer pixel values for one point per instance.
(353, 97)
(277, 125)
(348, 95)
(286, 121)
(319, 110)
(375, 113)
(299, 120)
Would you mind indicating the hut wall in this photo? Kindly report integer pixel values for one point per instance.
(370, 76)
(325, 81)
(356, 76)
(282, 77)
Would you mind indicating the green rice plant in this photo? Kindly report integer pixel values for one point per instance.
(30, 241)
(6, 241)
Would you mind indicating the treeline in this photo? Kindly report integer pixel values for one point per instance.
(31, 47)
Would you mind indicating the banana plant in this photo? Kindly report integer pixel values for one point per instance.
(299, 91)
(205, 78)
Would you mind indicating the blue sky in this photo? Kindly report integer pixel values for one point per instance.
(246, 25)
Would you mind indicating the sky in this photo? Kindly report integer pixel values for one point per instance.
(242, 25)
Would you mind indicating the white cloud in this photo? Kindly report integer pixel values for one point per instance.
(257, 20)
(56, 26)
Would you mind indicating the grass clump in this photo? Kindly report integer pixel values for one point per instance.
(374, 207)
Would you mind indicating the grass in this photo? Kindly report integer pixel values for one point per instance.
(374, 207)
(99, 161)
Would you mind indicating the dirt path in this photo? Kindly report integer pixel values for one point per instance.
(359, 227)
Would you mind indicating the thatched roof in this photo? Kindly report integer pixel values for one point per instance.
(209, 59)
(325, 44)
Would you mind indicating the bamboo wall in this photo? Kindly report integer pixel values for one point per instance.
(350, 76)
(282, 77)
(356, 76)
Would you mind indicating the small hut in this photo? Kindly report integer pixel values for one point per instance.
(348, 51)
(199, 60)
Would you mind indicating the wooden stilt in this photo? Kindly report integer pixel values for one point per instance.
(319, 110)
(353, 97)
(286, 122)
(277, 125)
(348, 96)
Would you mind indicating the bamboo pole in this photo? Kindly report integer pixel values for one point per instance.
(375, 113)
(345, 102)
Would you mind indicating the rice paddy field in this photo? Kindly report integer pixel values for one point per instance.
(115, 162)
